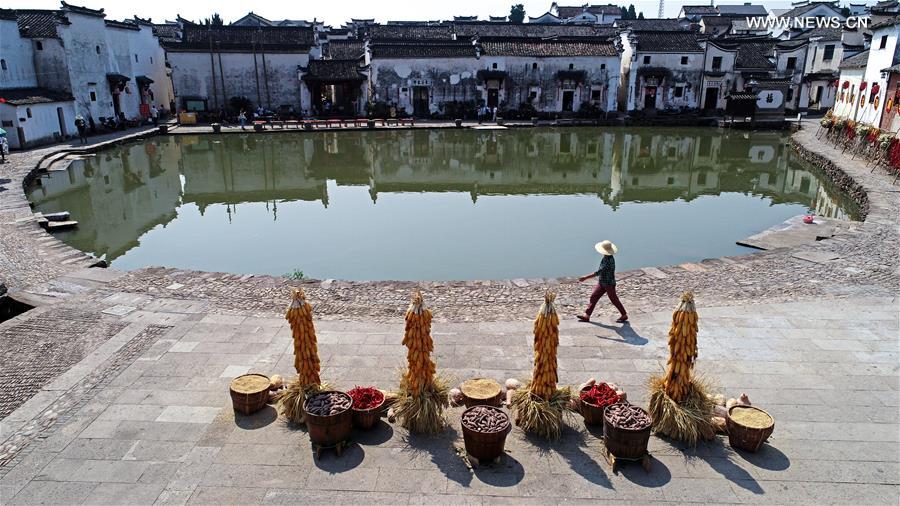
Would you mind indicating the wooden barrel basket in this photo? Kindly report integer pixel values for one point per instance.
(627, 444)
(592, 413)
(328, 431)
(748, 427)
(367, 418)
(486, 446)
(249, 393)
(481, 391)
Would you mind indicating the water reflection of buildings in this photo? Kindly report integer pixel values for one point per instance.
(116, 196)
(119, 195)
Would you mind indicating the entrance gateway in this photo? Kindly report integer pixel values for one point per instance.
(650, 97)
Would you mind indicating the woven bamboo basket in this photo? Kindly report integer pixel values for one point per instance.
(249, 400)
(747, 438)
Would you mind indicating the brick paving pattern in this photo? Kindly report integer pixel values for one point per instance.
(39, 346)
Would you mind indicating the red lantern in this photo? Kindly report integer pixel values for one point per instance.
(846, 85)
(862, 87)
(875, 88)
(2, 100)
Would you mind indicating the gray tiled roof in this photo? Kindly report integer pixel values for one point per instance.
(858, 61)
(39, 24)
(654, 25)
(345, 49)
(531, 30)
(334, 70)
(450, 49)
(699, 9)
(667, 42)
(167, 32)
(755, 55)
(798, 12)
(27, 96)
(410, 32)
(525, 47)
(244, 37)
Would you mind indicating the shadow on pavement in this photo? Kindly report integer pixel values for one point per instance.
(350, 458)
(626, 333)
(442, 452)
(380, 433)
(509, 472)
(257, 420)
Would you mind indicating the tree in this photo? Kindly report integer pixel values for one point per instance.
(641, 16)
(624, 11)
(517, 13)
(631, 13)
(216, 20)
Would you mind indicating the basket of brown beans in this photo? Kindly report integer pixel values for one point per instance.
(626, 430)
(329, 418)
(484, 431)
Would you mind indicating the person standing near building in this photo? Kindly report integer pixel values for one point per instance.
(242, 118)
(606, 283)
(154, 114)
(81, 125)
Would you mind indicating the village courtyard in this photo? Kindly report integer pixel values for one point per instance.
(131, 405)
(583, 254)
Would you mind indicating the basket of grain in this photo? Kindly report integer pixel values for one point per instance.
(748, 427)
(249, 393)
(481, 391)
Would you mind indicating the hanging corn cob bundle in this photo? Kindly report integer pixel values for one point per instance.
(540, 405)
(679, 404)
(423, 395)
(306, 358)
(682, 348)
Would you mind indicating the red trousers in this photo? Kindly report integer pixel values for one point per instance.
(610, 291)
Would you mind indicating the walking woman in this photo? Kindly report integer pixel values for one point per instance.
(606, 283)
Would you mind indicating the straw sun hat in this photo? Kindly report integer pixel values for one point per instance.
(606, 248)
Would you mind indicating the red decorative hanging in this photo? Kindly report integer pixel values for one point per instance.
(845, 85)
(875, 88)
(862, 87)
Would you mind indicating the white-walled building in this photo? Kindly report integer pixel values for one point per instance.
(213, 64)
(661, 70)
(107, 67)
(29, 113)
(552, 76)
(884, 53)
(852, 73)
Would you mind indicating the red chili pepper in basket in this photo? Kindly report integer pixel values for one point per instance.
(600, 394)
(366, 397)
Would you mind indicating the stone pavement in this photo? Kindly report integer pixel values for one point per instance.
(153, 422)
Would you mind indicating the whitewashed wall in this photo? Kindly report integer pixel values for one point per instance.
(42, 127)
(18, 55)
(449, 79)
(878, 59)
(192, 74)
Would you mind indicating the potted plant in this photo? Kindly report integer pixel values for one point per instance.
(458, 122)
(217, 127)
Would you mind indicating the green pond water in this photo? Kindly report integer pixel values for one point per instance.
(432, 204)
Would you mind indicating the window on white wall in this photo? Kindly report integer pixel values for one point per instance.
(602, 66)
(883, 42)
(494, 66)
(684, 60)
(679, 91)
(828, 54)
(136, 59)
(97, 49)
(93, 96)
(28, 112)
(151, 60)
(2, 64)
(38, 45)
(534, 66)
(646, 60)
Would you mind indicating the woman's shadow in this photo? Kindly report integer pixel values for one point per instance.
(625, 334)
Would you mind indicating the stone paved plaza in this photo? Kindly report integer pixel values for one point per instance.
(162, 430)
(114, 390)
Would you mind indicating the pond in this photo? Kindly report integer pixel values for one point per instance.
(441, 204)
